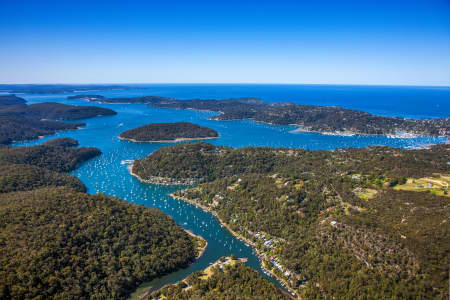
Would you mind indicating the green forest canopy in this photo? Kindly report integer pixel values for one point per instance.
(335, 242)
(168, 131)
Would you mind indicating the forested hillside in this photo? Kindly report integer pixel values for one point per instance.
(55, 111)
(168, 132)
(60, 244)
(20, 177)
(57, 242)
(21, 122)
(226, 279)
(57, 155)
(327, 119)
(16, 129)
(327, 222)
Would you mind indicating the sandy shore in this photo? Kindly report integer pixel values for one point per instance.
(168, 141)
(130, 169)
(202, 250)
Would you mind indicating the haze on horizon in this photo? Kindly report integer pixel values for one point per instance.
(325, 42)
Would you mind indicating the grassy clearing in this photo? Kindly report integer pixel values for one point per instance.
(438, 185)
(364, 193)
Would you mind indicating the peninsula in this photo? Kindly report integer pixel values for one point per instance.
(168, 132)
(219, 281)
(322, 119)
(78, 245)
(377, 211)
(21, 122)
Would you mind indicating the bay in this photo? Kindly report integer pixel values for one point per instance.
(108, 173)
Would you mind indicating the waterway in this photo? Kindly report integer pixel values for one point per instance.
(108, 173)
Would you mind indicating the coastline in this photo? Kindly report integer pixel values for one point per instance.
(217, 262)
(168, 141)
(147, 290)
(301, 128)
(130, 169)
(203, 249)
(238, 236)
(217, 217)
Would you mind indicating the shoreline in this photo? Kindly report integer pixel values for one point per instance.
(340, 133)
(238, 236)
(130, 169)
(238, 260)
(235, 234)
(347, 133)
(203, 249)
(147, 290)
(168, 141)
(217, 217)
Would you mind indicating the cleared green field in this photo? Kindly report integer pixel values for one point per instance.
(437, 185)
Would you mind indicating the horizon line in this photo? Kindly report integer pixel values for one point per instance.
(229, 83)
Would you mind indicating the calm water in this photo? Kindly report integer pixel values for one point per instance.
(106, 174)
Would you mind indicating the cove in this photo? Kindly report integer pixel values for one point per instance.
(108, 174)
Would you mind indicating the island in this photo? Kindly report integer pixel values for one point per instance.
(322, 222)
(60, 242)
(87, 97)
(168, 132)
(21, 122)
(219, 281)
(311, 118)
(120, 100)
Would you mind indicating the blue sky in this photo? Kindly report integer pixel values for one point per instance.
(324, 42)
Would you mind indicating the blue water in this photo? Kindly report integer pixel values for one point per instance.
(106, 174)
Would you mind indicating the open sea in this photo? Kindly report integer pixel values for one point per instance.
(108, 173)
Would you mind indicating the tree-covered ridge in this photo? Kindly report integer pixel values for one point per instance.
(127, 100)
(16, 128)
(168, 132)
(88, 97)
(28, 168)
(21, 122)
(15, 178)
(55, 111)
(328, 222)
(56, 243)
(328, 119)
(225, 281)
(206, 162)
(57, 155)
(11, 100)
